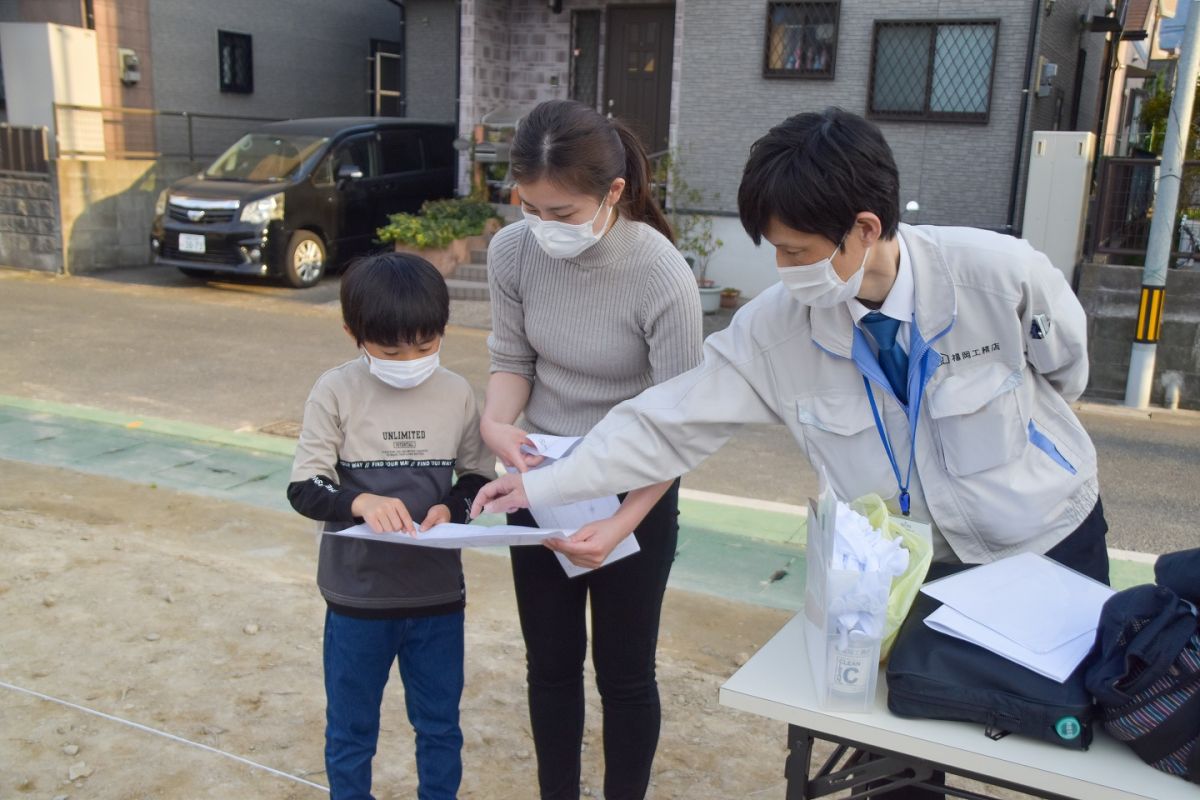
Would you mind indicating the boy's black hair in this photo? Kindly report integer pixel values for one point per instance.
(815, 173)
(394, 298)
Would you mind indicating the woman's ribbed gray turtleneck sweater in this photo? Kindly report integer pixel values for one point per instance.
(594, 330)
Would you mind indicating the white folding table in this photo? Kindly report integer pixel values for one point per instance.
(775, 683)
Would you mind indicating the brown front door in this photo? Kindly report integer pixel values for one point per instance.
(637, 73)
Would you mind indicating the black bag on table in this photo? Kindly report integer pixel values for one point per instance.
(1146, 677)
(934, 676)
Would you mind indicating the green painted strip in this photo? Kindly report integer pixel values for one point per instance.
(702, 519)
(770, 526)
(183, 430)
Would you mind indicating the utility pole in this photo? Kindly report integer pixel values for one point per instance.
(1162, 225)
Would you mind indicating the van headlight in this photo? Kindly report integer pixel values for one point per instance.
(262, 211)
(160, 205)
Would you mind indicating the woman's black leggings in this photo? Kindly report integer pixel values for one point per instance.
(626, 600)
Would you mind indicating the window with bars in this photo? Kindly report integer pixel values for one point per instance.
(235, 62)
(801, 40)
(585, 56)
(933, 70)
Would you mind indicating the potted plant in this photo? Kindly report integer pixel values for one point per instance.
(693, 229)
(729, 297)
(443, 232)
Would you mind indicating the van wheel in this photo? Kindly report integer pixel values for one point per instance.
(305, 260)
(196, 274)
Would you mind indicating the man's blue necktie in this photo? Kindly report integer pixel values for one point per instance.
(892, 358)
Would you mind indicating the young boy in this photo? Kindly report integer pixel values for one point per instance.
(381, 436)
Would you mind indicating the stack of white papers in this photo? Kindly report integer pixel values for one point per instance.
(1027, 608)
(571, 517)
(556, 522)
(454, 535)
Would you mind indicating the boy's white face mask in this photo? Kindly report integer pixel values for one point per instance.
(818, 284)
(563, 240)
(404, 374)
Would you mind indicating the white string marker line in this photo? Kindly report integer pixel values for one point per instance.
(163, 734)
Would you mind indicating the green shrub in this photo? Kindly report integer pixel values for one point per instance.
(438, 224)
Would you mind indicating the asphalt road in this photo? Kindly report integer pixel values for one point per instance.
(243, 355)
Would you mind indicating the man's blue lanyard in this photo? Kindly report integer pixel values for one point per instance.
(914, 418)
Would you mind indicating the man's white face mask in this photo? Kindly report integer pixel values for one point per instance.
(563, 240)
(818, 284)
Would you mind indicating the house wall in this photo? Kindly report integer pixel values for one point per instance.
(431, 48)
(309, 60)
(959, 173)
(1060, 38)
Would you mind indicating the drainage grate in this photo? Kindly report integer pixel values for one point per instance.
(287, 428)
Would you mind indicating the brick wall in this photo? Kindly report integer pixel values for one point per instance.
(516, 54)
(29, 232)
(125, 24)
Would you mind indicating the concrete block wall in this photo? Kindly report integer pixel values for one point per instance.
(1110, 295)
(107, 209)
(29, 229)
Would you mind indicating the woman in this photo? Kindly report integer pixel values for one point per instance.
(591, 304)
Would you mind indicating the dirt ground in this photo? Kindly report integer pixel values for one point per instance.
(201, 618)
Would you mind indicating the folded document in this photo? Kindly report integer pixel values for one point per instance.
(1027, 608)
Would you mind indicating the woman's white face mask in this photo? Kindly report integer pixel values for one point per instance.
(564, 240)
(819, 286)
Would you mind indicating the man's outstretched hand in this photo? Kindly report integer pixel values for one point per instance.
(502, 496)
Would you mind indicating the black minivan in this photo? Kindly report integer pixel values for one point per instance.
(292, 198)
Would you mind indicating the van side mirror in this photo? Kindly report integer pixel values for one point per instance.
(348, 172)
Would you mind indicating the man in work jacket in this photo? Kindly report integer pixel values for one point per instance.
(933, 366)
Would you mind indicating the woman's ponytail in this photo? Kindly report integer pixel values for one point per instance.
(638, 200)
(577, 147)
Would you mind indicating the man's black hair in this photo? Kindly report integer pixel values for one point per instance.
(815, 173)
(394, 298)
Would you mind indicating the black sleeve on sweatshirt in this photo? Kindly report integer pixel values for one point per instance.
(321, 498)
(462, 495)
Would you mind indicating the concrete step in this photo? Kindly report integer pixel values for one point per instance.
(467, 290)
(471, 272)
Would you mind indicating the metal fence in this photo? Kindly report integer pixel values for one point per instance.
(142, 133)
(1125, 206)
(23, 149)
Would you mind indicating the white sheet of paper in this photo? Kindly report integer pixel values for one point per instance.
(454, 535)
(550, 446)
(574, 515)
(1057, 664)
(1029, 599)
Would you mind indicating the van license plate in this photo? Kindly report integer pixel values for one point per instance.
(191, 243)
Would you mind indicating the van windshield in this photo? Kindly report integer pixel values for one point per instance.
(263, 157)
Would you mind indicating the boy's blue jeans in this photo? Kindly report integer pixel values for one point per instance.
(358, 659)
